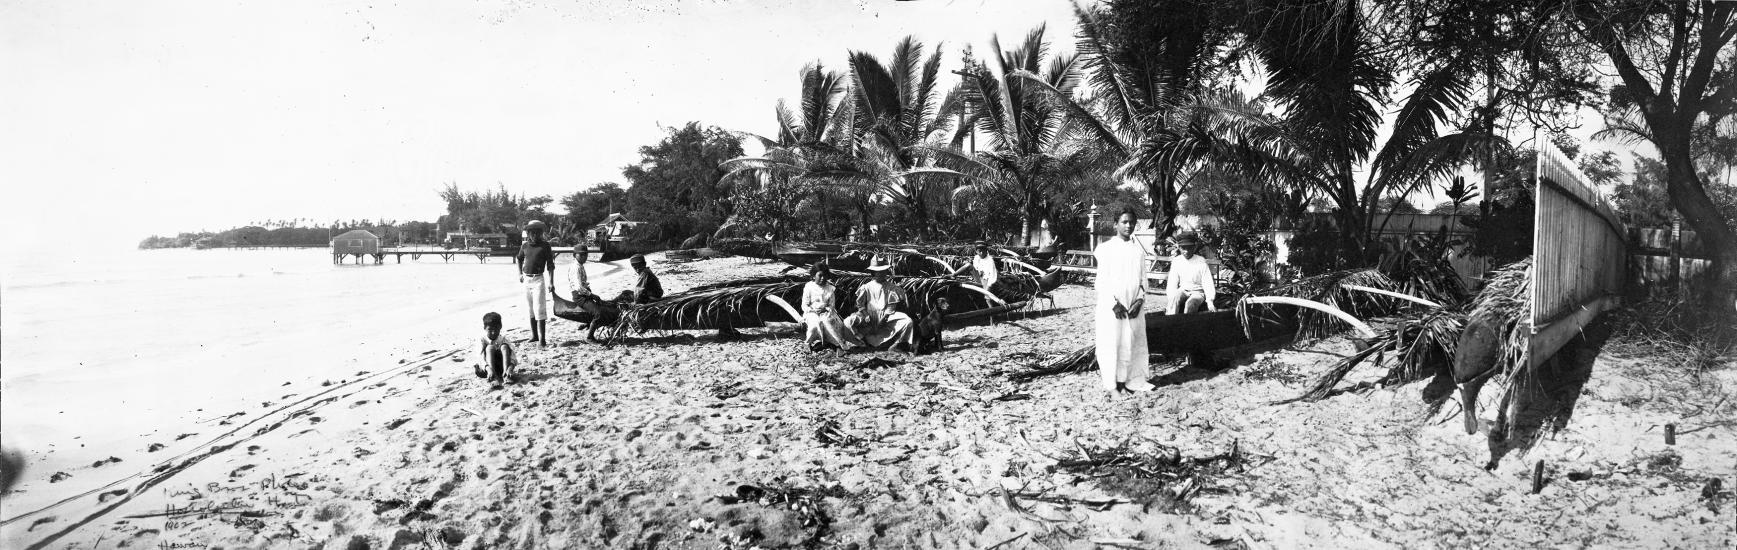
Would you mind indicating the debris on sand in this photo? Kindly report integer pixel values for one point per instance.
(1152, 474)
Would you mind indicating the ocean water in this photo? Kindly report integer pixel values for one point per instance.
(102, 354)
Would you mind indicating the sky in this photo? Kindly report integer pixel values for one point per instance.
(127, 119)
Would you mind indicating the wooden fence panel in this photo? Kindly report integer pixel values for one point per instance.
(1579, 254)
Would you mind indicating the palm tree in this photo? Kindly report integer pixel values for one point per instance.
(1324, 68)
(1151, 115)
(1033, 151)
(811, 143)
(898, 110)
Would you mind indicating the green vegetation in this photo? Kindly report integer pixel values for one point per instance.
(1153, 99)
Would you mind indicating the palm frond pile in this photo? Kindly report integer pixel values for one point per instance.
(1420, 347)
(744, 304)
(1504, 307)
(1330, 289)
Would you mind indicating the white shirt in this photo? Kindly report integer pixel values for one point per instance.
(986, 270)
(1190, 275)
(1121, 272)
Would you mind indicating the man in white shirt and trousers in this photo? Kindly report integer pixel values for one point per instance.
(1120, 323)
(1189, 286)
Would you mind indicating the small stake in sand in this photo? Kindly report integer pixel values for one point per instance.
(1538, 477)
(1670, 434)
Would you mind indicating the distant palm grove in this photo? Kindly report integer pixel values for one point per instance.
(1323, 115)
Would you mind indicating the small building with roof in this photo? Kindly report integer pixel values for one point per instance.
(615, 228)
(356, 241)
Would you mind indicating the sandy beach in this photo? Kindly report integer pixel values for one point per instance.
(679, 440)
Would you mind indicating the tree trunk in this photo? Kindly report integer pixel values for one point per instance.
(1689, 196)
(1165, 208)
(1025, 222)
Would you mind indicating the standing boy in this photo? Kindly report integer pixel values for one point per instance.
(1120, 323)
(536, 264)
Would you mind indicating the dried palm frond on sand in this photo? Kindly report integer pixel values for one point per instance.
(1420, 348)
(1488, 343)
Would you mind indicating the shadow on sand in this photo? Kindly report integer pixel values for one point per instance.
(1545, 402)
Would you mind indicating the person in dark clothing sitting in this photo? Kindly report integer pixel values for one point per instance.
(646, 290)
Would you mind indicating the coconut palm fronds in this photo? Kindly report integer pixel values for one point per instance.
(1429, 276)
(729, 307)
(1505, 307)
(1328, 288)
(1416, 349)
(755, 281)
(743, 304)
(1081, 360)
(1424, 347)
(1323, 385)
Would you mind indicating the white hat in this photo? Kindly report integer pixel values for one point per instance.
(877, 268)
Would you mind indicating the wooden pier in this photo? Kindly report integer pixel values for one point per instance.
(445, 254)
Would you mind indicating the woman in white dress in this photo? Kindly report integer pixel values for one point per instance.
(820, 314)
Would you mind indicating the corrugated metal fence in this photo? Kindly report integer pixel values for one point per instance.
(1579, 254)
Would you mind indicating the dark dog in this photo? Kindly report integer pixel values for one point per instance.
(930, 325)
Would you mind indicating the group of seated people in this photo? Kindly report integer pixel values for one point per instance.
(881, 318)
(646, 287)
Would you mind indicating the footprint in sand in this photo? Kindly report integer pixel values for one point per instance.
(238, 471)
(184, 436)
(111, 494)
(154, 448)
(105, 462)
(33, 524)
(59, 477)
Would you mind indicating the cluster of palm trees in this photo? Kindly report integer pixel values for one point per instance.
(1148, 103)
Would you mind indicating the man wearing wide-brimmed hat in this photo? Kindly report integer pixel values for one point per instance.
(877, 320)
(536, 263)
(1189, 287)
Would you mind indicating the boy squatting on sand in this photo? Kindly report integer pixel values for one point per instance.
(499, 363)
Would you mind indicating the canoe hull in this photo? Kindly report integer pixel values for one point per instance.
(1214, 330)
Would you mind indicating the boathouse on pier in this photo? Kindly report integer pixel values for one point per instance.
(356, 241)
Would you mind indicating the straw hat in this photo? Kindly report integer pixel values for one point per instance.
(1188, 239)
